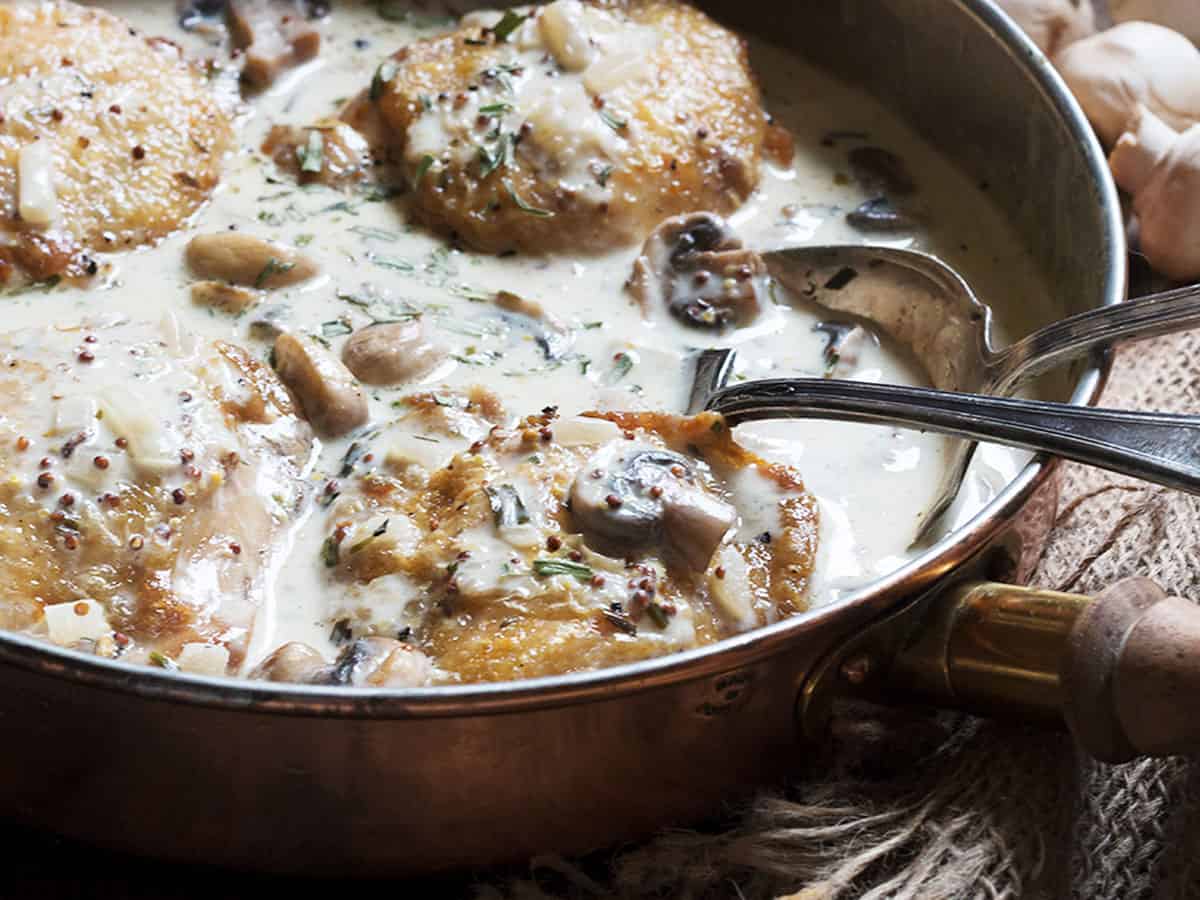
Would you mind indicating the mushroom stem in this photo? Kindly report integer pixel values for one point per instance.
(1143, 145)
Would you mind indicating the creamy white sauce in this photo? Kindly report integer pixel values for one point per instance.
(872, 482)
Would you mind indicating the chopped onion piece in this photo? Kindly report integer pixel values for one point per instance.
(203, 659)
(69, 623)
(579, 431)
(38, 203)
(732, 591)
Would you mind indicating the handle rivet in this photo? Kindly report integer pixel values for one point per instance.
(856, 669)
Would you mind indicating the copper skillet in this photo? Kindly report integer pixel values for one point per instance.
(331, 780)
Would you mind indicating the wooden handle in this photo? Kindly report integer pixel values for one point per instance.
(1131, 673)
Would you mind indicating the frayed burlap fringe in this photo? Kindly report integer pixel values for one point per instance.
(909, 805)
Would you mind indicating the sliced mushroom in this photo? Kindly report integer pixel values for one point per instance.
(273, 35)
(366, 662)
(247, 260)
(201, 15)
(630, 497)
(552, 336)
(229, 298)
(391, 353)
(293, 662)
(882, 170)
(380, 662)
(270, 320)
(698, 269)
(878, 214)
(332, 399)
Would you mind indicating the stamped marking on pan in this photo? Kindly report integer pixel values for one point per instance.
(730, 691)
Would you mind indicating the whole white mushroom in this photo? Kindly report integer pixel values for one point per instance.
(1137, 63)
(1161, 169)
(1178, 15)
(1052, 24)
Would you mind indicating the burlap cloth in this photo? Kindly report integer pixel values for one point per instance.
(916, 804)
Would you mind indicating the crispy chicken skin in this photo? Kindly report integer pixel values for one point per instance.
(474, 546)
(577, 130)
(131, 139)
(147, 482)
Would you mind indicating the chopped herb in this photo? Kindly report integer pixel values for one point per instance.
(354, 453)
(507, 25)
(335, 328)
(474, 42)
(496, 109)
(385, 73)
(603, 174)
(163, 661)
(378, 234)
(341, 206)
(507, 507)
(493, 159)
(303, 240)
(270, 218)
(388, 262)
(474, 295)
(462, 326)
(546, 568)
(380, 192)
(585, 363)
(342, 632)
(620, 621)
(378, 532)
(832, 358)
(622, 363)
(658, 615)
(423, 167)
(426, 102)
(612, 121)
(591, 325)
(522, 205)
(312, 154)
(426, 438)
(273, 267)
(450, 402)
(440, 264)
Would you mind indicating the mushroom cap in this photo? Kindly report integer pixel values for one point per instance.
(1168, 209)
(1135, 63)
(1052, 24)
(1178, 15)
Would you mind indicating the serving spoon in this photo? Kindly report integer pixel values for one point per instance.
(926, 307)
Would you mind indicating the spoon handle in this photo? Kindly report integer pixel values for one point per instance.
(1161, 313)
(1156, 447)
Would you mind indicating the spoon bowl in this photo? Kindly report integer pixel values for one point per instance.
(927, 308)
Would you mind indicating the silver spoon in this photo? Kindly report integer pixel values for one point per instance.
(925, 306)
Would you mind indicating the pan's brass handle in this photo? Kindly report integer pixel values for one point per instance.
(1123, 668)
